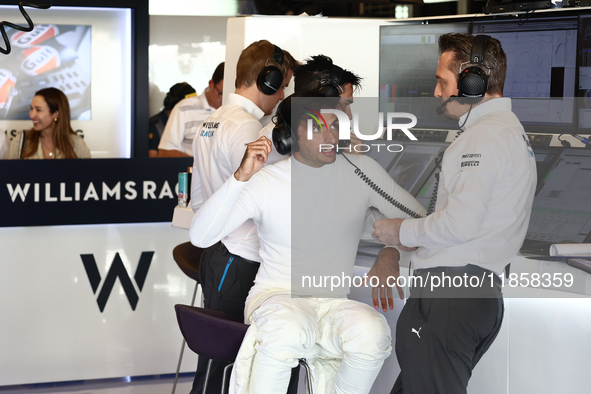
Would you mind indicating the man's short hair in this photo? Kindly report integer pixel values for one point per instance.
(218, 74)
(252, 61)
(494, 56)
(307, 77)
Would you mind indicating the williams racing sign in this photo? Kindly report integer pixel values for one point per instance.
(95, 191)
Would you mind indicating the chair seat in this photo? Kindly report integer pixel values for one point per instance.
(187, 258)
(211, 334)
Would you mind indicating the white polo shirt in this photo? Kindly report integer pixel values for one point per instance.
(218, 149)
(183, 123)
(486, 190)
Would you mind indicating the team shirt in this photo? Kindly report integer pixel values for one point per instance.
(485, 195)
(183, 123)
(218, 149)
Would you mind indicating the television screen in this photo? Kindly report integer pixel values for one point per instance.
(408, 62)
(51, 55)
(561, 208)
(541, 69)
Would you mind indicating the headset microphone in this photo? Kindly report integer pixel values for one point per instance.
(342, 144)
(441, 109)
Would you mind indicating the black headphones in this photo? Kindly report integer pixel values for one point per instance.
(283, 139)
(473, 81)
(330, 87)
(270, 78)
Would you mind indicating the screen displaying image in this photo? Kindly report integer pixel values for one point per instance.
(541, 69)
(414, 164)
(561, 209)
(50, 55)
(408, 62)
(72, 49)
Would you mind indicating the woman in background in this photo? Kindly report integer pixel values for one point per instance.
(52, 136)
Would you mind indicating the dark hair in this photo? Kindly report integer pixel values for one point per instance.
(494, 56)
(177, 92)
(218, 74)
(307, 77)
(252, 61)
(56, 101)
(300, 109)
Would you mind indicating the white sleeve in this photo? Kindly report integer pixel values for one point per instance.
(226, 210)
(174, 131)
(460, 220)
(371, 216)
(384, 181)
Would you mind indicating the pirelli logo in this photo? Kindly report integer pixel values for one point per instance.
(472, 163)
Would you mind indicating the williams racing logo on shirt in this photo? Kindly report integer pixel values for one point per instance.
(209, 129)
(471, 163)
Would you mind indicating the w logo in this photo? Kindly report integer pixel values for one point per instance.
(117, 270)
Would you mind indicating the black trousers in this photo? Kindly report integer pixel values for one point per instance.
(226, 279)
(441, 334)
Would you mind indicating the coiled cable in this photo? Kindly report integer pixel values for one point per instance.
(382, 193)
(21, 7)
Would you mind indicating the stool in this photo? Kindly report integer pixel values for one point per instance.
(187, 258)
(217, 336)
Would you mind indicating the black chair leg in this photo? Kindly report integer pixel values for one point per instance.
(292, 388)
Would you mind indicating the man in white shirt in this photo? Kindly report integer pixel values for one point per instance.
(187, 115)
(485, 194)
(229, 267)
(309, 211)
(157, 123)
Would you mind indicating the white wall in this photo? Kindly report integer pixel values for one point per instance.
(184, 49)
(353, 44)
(52, 329)
(193, 7)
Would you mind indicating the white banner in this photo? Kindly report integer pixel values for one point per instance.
(51, 326)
